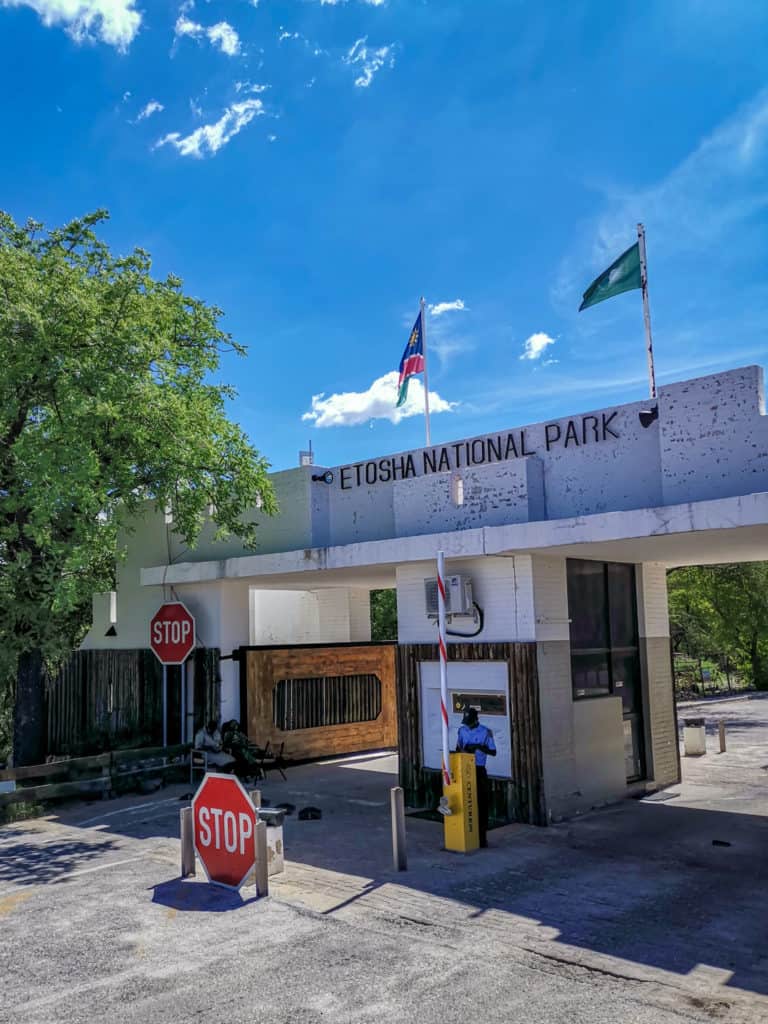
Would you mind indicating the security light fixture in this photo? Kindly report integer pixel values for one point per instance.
(325, 478)
(647, 416)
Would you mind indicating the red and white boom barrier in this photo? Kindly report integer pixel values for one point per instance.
(443, 664)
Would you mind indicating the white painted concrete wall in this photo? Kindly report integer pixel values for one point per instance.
(502, 587)
(511, 492)
(714, 436)
(710, 441)
(338, 615)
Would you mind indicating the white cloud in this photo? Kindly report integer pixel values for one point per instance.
(153, 107)
(211, 137)
(186, 27)
(446, 307)
(285, 34)
(114, 22)
(536, 345)
(369, 60)
(249, 87)
(196, 108)
(224, 36)
(221, 35)
(352, 408)
(333, 3)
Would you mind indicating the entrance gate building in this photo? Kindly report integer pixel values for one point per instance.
(560, 535)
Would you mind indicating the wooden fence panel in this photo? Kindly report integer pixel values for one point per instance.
(100, 699)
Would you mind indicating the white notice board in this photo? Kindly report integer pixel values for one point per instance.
(466, 677)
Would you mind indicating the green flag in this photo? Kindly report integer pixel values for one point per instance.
(622, 276)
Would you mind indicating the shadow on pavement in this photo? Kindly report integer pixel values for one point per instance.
(29, 862)
(649, 882)
(187, 894)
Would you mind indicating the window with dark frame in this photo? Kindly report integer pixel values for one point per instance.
(602, 608)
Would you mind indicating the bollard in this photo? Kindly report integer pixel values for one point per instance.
(261, 875)
(721, 730)
(187, 842)
(397, 803)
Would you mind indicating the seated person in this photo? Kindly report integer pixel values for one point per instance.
(236, 743)
(209, 739)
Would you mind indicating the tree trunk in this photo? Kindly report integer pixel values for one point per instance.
(29, 725)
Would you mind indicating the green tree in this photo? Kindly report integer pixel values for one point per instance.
(107, 400)
(383, 615)
(722, 610)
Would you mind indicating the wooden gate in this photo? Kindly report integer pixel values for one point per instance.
(321, 701)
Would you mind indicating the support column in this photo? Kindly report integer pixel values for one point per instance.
(656, 666)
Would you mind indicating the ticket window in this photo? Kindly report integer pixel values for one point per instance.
(485, 685)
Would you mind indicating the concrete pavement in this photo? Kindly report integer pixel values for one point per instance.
(629, 913)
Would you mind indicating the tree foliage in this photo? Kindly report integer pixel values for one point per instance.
(107, 400)
(383, 615)
(722, 610)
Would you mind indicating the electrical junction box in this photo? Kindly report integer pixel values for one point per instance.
(458, 596)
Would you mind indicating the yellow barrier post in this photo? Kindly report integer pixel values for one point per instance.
(462, 833)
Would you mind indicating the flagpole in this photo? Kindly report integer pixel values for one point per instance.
(646, 310)
(422, 307)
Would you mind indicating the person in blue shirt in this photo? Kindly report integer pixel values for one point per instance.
(475, 738)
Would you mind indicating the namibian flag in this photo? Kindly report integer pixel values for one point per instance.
(413, 359)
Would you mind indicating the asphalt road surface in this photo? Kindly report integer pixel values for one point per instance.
(628, 914)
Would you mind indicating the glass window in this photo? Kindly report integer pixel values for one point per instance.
(603, 613)
(587, 604)
(622, 604)
(625, 675)
(590, 674)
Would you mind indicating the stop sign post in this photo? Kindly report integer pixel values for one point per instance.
(224, 826)
(172, 638)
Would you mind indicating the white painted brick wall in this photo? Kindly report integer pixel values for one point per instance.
(652, 602)
(661, 711)
(550, 597)
(502, 587)
(359, 614)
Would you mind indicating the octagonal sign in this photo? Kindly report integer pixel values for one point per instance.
(172, 633)
(223, 819)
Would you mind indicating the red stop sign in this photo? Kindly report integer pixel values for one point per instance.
(223, 821)
(172, 633)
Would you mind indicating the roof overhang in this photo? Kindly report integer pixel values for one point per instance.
(695, 533)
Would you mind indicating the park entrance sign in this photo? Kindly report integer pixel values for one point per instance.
(172, 633)
(223, 820)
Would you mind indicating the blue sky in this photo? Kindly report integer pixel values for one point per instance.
(314, 167)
